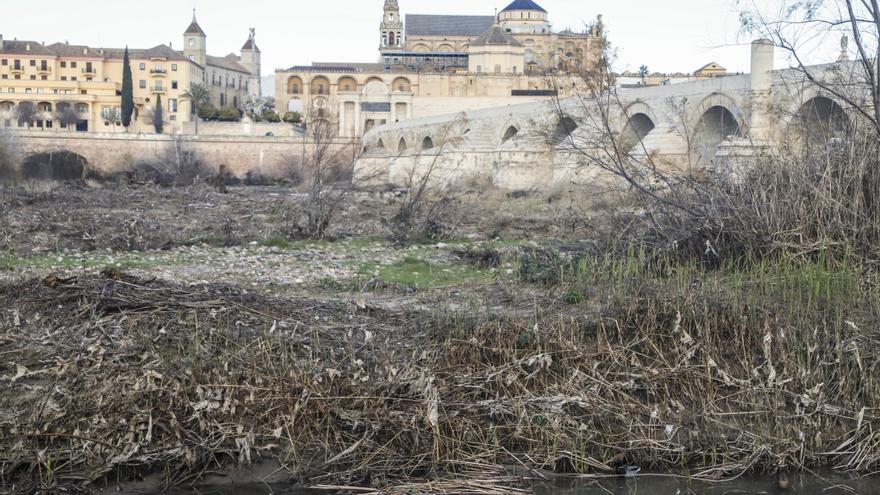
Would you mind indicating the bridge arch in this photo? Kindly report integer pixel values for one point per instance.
(717, 118)
(562, 131)
(54, 165)
(401, 145)
(640, 121)
(817, 120)
(640, 106)
(427, 143)
(509, 133)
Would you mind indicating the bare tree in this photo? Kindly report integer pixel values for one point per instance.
(802, 27)
(66, 115)
(427, 194)
(7, 166)
(27, 112)
(328, 170)
(112, 115)
(801, 198)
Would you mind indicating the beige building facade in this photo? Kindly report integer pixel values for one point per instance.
(78, 88)
(431, 64)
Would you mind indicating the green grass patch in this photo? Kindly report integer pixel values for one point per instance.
(415, 272)
(276, 242)
(84, 261)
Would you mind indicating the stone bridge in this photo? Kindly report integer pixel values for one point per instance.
(542, 145)
(109, 153)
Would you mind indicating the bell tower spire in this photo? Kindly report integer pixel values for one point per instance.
(391, 28)
(195, 42)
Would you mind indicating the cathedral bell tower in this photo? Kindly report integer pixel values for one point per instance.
(391, 29)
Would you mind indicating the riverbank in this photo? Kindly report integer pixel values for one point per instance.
(466, 358)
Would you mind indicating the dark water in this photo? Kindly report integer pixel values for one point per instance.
(832, 484)
(664, 485)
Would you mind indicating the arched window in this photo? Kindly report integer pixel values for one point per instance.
(427, 143)
(380, 144)
(509, 134)
(294, 86)
(391, 38)
(401, 84)
(401, 146)
(320, 86)
(346, 84)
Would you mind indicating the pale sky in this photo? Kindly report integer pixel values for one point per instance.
(667, 36)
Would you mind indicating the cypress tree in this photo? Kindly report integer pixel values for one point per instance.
(157, 115)
(127, 91)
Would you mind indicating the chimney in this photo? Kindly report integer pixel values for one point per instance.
(27, 47)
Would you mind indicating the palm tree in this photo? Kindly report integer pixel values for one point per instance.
(198, 95)
(643, 71)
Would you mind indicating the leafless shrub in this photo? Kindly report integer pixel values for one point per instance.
(66, 115)
(26, 113)
(328, 170)
(426, 209)
(8, 170)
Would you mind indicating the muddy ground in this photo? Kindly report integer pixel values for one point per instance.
(251, 238)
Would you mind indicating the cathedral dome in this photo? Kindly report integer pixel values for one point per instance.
(523, 5)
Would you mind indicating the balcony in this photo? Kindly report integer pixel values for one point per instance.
(157, 91)
(158, 72)
(16, 70)
(89, 71)
(44, 71)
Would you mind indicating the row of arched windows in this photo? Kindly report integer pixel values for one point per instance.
(320, 85)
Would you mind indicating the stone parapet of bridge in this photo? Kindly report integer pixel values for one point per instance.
(546, 145)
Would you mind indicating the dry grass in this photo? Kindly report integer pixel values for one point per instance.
(662, 367)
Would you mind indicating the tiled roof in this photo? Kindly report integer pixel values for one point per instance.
(709, 66)
(158, 51)
(194, 28)
(24, 48)
(338, 67)
(496, 36)
(250, 44)
(69, 51)
(524, 5)
(450, 25)
(227, 63)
